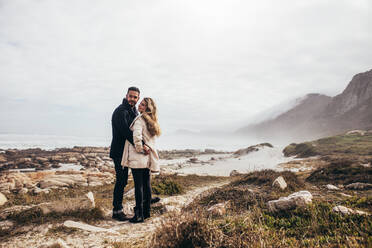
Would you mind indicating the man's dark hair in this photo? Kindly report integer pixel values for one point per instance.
(133, 89)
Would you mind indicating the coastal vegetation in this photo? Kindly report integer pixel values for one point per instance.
(354, 143)
(249, 223)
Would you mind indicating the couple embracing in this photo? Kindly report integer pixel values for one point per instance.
(133, 146)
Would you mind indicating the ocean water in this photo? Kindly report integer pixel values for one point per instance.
(49, 142)
(265, 158)
(165, 142)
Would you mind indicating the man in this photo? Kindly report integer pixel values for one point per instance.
(122, 117)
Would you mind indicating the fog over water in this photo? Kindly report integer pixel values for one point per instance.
(166, 142)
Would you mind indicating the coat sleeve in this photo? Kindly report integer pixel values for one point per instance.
(137, 135)
(120, 121)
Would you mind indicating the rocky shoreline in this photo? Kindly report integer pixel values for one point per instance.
(38, 171)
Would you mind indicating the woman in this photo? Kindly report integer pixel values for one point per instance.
(145, 128)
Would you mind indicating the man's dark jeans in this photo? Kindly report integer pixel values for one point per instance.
(142, 188)
(121, 182)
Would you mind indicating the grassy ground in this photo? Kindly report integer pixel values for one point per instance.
(351, 144)
(164, 185)
(248, 222)
(342, 171)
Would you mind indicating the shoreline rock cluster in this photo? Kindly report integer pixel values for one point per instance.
(44, 181)
(38, 159)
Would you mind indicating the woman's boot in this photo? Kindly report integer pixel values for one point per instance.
(138, 215)
(146, 210)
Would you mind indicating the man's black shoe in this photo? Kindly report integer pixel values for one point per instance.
(120, 216)
(154, 200)
(138, 216)
(137, 219)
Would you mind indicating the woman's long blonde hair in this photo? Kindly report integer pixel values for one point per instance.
(151, 117)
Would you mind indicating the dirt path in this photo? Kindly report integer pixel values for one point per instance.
(120, 232)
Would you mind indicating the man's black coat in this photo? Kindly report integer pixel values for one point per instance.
(122, 117)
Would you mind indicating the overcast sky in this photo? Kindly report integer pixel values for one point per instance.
(65, 65)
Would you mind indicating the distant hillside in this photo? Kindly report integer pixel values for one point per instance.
(319, 115)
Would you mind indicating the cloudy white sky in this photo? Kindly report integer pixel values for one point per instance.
(65, 65)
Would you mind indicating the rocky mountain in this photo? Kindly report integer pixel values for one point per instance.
(319, 115)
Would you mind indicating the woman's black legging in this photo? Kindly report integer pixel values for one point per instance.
(142, 188)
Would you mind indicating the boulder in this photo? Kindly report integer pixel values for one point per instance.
(68, 205)
(7, 186)
(346, 211)
(23, 191)
(56, 158)
(332, 187)
(18, 180)
(38, 191)
(170, 208)
(209, 151)
(72, 160)
(280, 183)
(59, 243)
(234, 173)
(11, 152)
(2, 158)
(193, 160)
(298, 199)
(359, 132)
(6, 225)
(345, 195)
(3, 199)
(218, 209)
(4, 213)
(86, 227)
(251, 149)
(41, 159)
(24, 160)
(67, 180)
(359, 186)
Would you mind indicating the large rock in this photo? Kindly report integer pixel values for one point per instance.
(280, 183)
(6, 225)
(4, 213)
(251, 149)
(346, 211)
(218, 209)
(41, 159)
(2, 158)
(62, 181)
(86, 227)
(332, 187)
(68, 205)
(359, 186)
(15, 181)
(3, 199)
(24, 160)
(234, 173)
(298, 199)
(59, 243)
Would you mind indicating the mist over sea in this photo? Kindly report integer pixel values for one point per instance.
(164, 142)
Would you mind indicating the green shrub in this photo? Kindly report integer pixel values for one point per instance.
(267, 177)
(166, 186)
(341, 172)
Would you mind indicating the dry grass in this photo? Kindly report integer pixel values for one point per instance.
(103, 199)
(341, 172)
(352, 144)
(166, 185)
(248, 223)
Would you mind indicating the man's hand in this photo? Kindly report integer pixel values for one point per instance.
(146, 149)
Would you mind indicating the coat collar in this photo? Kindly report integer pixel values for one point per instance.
(127, 106)
(137, 117)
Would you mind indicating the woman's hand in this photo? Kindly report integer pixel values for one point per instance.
(146, 149)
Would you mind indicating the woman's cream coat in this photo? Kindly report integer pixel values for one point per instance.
(133, 156)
